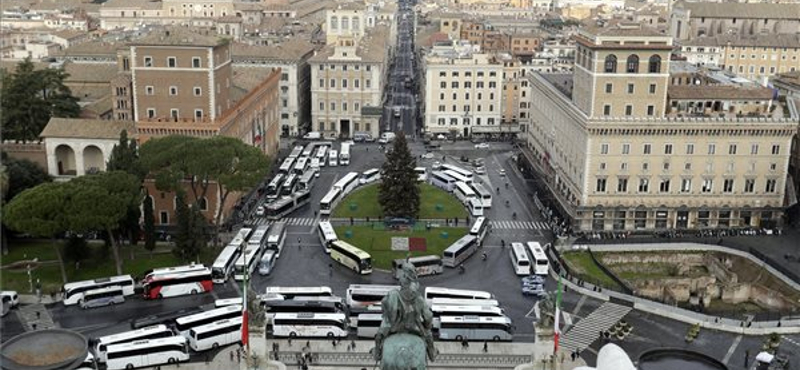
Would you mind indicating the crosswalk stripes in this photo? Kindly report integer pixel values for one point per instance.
(525, 225)
(291, 221)
(28, 317)
(586, 331)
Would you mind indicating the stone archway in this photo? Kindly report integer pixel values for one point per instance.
(65, 159)
(93, 161)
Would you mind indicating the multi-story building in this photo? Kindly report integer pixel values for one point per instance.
(755, 57)
(463, 91)
(295, 83)
(346, 21)
(691, 19)
(483, 34)
(347, 83)
(610, 158)
(524, 43)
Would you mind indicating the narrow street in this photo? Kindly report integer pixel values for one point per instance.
(400, 112)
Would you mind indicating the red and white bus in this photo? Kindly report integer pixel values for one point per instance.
(189, 281)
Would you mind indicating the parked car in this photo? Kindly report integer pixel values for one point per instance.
(537, 291)
(437, 165)
(537, 279)
(482, 146)
(441, 137)
(464, 159)
(480, 171)
(502, 172)
(260, 211)
(427, 155)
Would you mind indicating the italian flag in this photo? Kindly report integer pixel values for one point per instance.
(245, 334)
(557, 328)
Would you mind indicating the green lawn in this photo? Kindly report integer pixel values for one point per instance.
(98, 264)
(435, 203)
(583, 266)
(378, 242)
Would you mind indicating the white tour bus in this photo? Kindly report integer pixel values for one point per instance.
(223, 266)
(422, 174)
(307, 180)
(274, 187)
(308, 150)
(333, 158)
(433, 292)
(475, 207)
(183, 281)
(227, 302)
(367, 324)
(442, 180)
(272, 307)
(459, 251)
(424, 265)
(102, 297)
(369, 176)
(344, 154)
(73, 292)
(480, 228)
(240, 240)
(186, 323)
(458, 177)
(276, 238)
(328, 202)
(541, 266)
(296, 152)
(290, 292)
(282, 207)
(327, 235)
(351, 257)
(301, 166)
(484, 195)
(315, 165)
(173, 270)
(100, 345)
(147, 353)
(289, 185)
(463, 302)
(267, 263)
(286, 166)
(309, 325)
(259, 237)
(475, 328)
(463, 192)
(519, 259)
(347, 183)
(216, 334)
(247, 262)
(460, 171)
(450, 310)
(322, 155)
(360, 296)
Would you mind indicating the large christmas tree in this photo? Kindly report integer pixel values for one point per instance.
(399, 190)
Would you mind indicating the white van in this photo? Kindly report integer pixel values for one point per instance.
(10, 298)
(267, 263)
(313, 135)
(102, 297)
(387, 137)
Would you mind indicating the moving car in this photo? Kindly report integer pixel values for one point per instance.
(482, 146)
(480, 171)
(260, 211)
(536, 291)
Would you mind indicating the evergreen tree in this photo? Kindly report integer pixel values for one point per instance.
(399, 191)
(149, 225)
(190, 237)
(125, 157)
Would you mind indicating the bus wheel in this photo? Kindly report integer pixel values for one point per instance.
(459, 338)
(129, 366)
(496, 338)
(215, 346)
(292, 335)
(171, 360)
(160, 296)
(194, 291)
(330, 335)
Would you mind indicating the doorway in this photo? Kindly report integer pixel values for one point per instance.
(344, 128)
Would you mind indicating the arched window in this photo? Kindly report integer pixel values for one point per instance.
(345, 24)
(334, 23)
(655, 64)
(633, 64)
(611, 64)
(355, 24)
(202, 203)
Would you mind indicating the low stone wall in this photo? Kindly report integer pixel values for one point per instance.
(34, 152)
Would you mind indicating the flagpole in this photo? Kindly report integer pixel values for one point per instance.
(556, 322)
(245, 285)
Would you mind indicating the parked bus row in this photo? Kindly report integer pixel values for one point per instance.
(459, 181)
(524, 264)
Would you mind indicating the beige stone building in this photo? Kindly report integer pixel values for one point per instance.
(756, 57)
(611, 159)
(347, 84)
(691, 19)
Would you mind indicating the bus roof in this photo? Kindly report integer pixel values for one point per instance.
(205, 314)
(333, 193)
(476, 227)
(476, 319)
(372, 287)
(310, 315)
(480, 189)
(465, 188)
(218, 324)
(298, 289)
(466, 292)
(460, 243)
(352, 249)
(537, 250)
(178, 339)
(465, 308)
(342, 183)
(241, 236)
(275, 231)
(83, 283)
(132, 334)
(370, 317)
(465, 302)
(259, 234)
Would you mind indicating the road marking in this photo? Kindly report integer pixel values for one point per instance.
(732, 349)
(579, 305)
(792, 341)
(567, 317)
(533, 310)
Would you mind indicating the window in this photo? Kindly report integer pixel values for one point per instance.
(611, 64)
(708, 185)
(321, 105)
(687, 166)
(344, 106)
(626, 148)
(665, 166)
(173, 90)
(603, 148)
(198, 114)
(148, 61)
(630, 88)
(655, 64)
(644, 185)
(149, 90)
(664, 186)
(727, 186)
(151, 113)
(195, 62)
(776, 149)
(773, 166)
(732, 149)
(623, 166)
(172, 62)
(646, 149)
(628, 110)
(689, 148)
(321, 82)
(668, 149)
(754, 149)
(163, 217)
(344, 83)
(601, 186)
(284, 76)
(651, 110)
(356, 84)
(606, 110)
(652, 88)
(632, 66)
(602, 166)
(770, 185)
(622, 185)
(454, 84)
(712, 149)
(749, 185)
(443, 85)
(468, 85)
(609, 88)
(686, 185)
(333, 83)
(198, 91)
(333, 106)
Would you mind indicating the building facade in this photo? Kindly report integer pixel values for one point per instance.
(757, 57)
(694, 19)
(613, 160)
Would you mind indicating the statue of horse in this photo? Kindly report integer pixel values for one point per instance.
(404, 352)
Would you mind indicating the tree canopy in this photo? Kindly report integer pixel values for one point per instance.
(399, 193)
(30, 97)
(21, 174)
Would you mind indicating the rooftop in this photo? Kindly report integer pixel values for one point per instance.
(132, 4)
(91, 47)
(182, 36)
(621, 29)
(789, 11)
(718, 92)
(86, 128)
(371, 47)
(293, 49)
(771, 40)
(561, 81)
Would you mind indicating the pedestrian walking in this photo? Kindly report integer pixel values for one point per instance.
(38, 315)
(308, 344)
(572, 356)
(330, 269)
(334, 343)
(231, 352)
(238, 357)
(485, 346)
(746, 358)
(39, 289)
